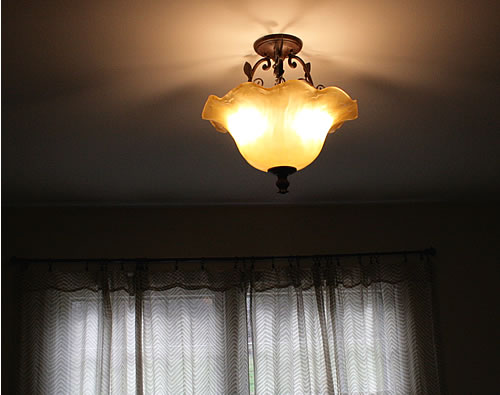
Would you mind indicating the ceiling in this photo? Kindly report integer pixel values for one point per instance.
(101, 100)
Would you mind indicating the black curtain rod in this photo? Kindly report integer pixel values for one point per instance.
(427, 252)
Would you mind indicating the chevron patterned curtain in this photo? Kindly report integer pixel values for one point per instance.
(302, 327)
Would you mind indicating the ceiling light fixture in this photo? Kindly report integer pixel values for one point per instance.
(282, 129)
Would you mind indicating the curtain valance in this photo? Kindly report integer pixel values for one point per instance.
(219, 276)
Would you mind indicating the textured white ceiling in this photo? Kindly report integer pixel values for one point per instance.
(101, 100)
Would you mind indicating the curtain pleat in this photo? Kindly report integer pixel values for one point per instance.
(302, 328)
(139, 302)
(319, 293)
(100, 305)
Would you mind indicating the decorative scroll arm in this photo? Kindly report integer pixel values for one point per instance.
(250, 71)
(278, 69)
(305, 66)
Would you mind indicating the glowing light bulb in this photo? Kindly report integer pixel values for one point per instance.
(246, 125)
(312, 125)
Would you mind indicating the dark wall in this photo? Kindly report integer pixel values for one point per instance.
(467, 239)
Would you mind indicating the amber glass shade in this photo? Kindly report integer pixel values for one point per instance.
(285, 125)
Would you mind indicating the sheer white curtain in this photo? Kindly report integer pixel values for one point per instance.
(311, 327)
(128, 333)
